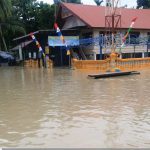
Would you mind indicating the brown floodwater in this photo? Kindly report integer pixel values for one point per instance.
(63, 108)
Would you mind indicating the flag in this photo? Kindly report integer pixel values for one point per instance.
(68, 50)
(61, 37)
(37, 44)
(129, 30)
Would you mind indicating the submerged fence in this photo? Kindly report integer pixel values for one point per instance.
(133, 45)
(104, 65)
(35, 64)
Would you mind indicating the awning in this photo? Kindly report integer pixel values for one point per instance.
(69, 41)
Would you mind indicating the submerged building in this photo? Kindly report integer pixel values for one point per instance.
(90, 22)
(82, 25)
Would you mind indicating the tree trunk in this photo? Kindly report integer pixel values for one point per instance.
(0, 45)
(3, 39)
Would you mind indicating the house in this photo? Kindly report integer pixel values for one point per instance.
(27, 49)
(90, 22)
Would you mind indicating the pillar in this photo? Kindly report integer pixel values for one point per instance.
(20, 53)
(143, 55)
(94, 56)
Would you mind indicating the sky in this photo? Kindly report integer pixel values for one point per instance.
(130, 3)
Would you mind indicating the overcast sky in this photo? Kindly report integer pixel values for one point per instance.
(130, 3)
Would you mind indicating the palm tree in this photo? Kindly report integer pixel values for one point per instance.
(5, 12)
(98, 2)
(5, 9)
(7, 22)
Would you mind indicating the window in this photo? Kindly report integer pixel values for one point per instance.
(87, 35)
(148, 36)
(134, 37)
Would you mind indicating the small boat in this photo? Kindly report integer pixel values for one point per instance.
(113, 74)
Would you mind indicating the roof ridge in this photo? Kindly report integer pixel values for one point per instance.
(94, 16)
(103, 6)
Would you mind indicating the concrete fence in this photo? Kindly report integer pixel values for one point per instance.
(35, 64)
(104, 65)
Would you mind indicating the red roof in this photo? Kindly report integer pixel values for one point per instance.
(94, 16)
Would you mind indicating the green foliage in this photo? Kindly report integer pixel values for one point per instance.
(23, 16)
(10, 28)
(143, 3)
(98, 2)
(5, 22)
(8, 24)
(43, 16)
(5, 9)
(72, 1)
(34, 15)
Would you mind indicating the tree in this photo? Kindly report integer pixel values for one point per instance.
(7, 24)
(23, 16)
(44, 16)
(72, 1)
(98, 2)
(11, 28)
(143, 3)
(33, 14)
(5, 11)
(24, 10)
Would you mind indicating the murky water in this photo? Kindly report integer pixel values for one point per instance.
(63, 108)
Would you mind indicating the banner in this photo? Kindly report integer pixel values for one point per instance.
(69, 40)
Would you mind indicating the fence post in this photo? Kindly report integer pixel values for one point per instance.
(147, 48)
(134, 51)
(39, 59)
(100, 45)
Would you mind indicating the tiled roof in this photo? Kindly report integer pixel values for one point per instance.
(94, 16)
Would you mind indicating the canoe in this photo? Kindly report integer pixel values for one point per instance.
(113, 74)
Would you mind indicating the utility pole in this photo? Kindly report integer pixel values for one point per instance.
(112, 20)
(100, 46)
(112, 23)
(55, 13)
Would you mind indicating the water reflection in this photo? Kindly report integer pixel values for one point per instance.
(63, 108)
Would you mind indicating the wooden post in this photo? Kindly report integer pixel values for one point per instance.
(100, 45)
(147, 48)
(134, 51)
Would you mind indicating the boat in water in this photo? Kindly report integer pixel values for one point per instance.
(113, 74)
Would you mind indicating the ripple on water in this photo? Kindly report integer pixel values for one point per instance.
(63, 108)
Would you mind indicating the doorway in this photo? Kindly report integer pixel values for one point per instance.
(59, 56)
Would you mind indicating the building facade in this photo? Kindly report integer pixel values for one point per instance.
(90, 22)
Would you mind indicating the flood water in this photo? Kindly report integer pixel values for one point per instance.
(63, 108)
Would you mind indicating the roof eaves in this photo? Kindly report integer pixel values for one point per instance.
(62, 4)
(21, 37)
(40, 31)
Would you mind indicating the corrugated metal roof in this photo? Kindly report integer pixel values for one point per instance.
(94, 16)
